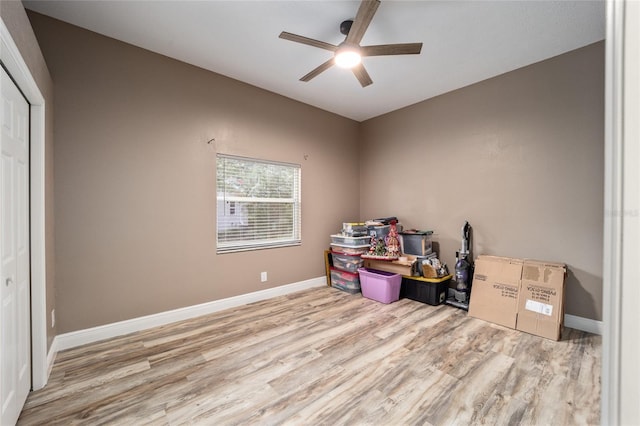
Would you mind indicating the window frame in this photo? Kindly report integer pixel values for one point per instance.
(230, 202)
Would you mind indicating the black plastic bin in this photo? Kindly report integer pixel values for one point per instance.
(432, 291)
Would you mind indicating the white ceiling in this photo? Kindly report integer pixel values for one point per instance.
(463, 42)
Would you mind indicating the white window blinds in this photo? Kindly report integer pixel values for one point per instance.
(258, 204)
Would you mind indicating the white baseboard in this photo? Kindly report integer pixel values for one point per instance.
(51, 355)
(90, 335)
(583, 324)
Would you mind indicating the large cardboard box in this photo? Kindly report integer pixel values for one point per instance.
(494, 290)
(541, 299)
(527, 295)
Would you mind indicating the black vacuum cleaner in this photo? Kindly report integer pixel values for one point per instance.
(459, 296)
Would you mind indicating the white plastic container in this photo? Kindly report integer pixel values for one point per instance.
(346, 241)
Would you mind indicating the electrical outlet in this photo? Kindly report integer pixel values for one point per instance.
(53, 318)
(263, 276)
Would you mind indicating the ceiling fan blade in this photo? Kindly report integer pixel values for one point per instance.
(363, 19)
(391, 49)
(308, 41)
(362, 75)
(325, 66)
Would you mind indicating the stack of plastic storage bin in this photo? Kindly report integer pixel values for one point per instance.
(346, 249)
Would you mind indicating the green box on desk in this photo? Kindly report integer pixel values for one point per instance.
(432, 291)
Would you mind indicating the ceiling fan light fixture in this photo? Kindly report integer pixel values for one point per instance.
(349, 53)
(347, 57)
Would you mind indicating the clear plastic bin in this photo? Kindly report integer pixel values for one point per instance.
(338, 248)
(347, 262)
(345, 281)
(350, 241)
(417, 243)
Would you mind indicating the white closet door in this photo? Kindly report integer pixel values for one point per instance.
(15, 328)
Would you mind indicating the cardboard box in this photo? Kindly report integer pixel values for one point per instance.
(541, 299)
(395, 266)
(494, 290)
(527, 295)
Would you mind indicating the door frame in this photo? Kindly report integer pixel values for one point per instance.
(19, 71)
(621, 250)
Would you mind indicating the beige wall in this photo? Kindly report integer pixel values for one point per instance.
(135, 192)
(135, 178)
(17, 22)
(520, 156)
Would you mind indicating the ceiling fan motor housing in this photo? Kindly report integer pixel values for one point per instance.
(345, 26)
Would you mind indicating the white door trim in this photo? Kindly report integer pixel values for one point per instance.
(621, 272)
(15, 64)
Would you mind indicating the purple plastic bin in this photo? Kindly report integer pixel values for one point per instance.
(380, 285)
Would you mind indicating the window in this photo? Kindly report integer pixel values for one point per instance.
(258, 204)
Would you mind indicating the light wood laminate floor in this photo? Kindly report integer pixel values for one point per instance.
(325, 357)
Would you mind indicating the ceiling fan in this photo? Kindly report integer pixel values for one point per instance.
(348, 54)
